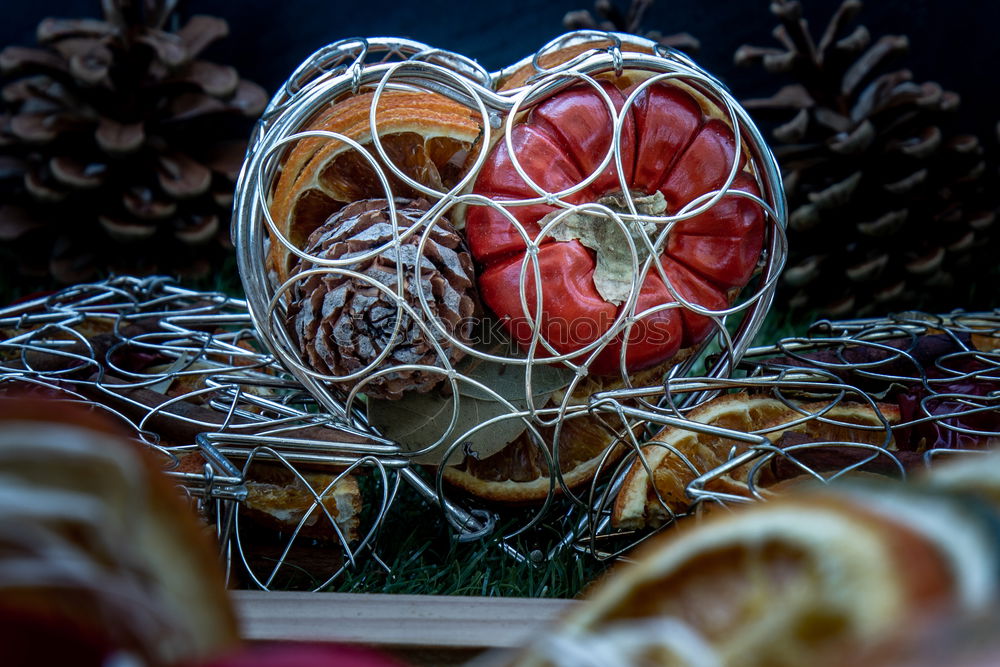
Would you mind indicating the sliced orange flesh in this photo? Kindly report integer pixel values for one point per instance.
(425, 135)
(797, 581)
(113, 549)
(519, 472)
(677, 456)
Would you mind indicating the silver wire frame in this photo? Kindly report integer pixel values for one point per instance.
(379, 64)
(274, 408)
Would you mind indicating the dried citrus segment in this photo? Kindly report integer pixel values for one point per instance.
(974, 474)
(520, 473)
(677, 456)
(803, 581)
(425, 135)
(986, 342)
(284, 502)
(277, 498)
(94, 537)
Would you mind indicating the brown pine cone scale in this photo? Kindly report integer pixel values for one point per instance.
(120, 145)
(342, 323)
(887, 209)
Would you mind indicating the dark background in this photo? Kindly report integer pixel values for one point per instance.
(955, 43)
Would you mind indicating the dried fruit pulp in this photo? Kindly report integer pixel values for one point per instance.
(426, 136)
(783, 583)
(677, 456)
(520, 472)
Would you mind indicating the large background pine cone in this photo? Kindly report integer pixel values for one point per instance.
(888, 209)
(342, 324)
(119, 148)
(610, 17)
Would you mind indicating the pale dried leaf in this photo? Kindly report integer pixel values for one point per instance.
(614, 273)
(508, 380)
(419, 420)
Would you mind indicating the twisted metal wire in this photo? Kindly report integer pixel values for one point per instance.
(262, 407)
(230, 356)
(208, 356)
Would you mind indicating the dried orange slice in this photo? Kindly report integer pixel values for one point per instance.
(806, 580)
(519, 473)
(975, 474)
(94, 538)
(278, 499)
(677, 456)
(426, 135)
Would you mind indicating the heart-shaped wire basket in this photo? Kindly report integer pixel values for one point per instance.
(537, 406)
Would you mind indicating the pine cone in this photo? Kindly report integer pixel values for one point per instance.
(342, 324)
(612, 19)
(118, 147)
(886, 210)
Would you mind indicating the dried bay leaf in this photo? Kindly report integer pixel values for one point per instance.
(419, 420)
(507, 380)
